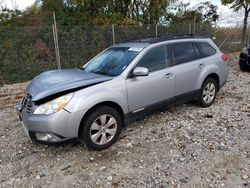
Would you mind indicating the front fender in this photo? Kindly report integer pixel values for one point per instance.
(85, 99)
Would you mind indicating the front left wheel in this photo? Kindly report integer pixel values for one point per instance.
(101, 128)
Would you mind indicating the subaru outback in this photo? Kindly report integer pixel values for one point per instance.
(124, 82)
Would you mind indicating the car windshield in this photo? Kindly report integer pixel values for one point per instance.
(111, 62)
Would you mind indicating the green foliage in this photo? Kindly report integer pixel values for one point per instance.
(84, 29)
(7, 15)
(204, 13)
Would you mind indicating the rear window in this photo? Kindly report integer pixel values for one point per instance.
(207, 49)
(183, 52)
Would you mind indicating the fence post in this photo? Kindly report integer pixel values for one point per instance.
(156, 30)
(189, 30)
(54, 28)
(113, 33)
(248, 38)
(1, 80)
(194, 24)
(225, 39)
(54, 39)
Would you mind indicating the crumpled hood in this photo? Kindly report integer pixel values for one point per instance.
(52, 82)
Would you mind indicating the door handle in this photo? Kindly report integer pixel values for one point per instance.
(169, 75)
(201, 66)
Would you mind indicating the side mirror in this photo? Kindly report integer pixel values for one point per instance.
(140, 71)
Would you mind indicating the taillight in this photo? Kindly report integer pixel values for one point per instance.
(224, 57)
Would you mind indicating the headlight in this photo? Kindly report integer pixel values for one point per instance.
(53, 106)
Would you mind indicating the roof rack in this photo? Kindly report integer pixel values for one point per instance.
(157, 39)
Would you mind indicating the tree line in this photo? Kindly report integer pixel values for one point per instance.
(122, 12)
(99, 12)
(84, 29)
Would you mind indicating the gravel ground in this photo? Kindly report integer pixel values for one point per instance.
(185, 146)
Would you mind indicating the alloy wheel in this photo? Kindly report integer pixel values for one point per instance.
(209, 92)
(103, 129)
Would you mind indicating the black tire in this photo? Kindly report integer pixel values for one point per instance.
(201, 100)
(243, 66)
(85, 132)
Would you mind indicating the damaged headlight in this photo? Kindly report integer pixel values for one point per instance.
(53, 106)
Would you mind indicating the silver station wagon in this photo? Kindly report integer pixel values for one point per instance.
(125, 81)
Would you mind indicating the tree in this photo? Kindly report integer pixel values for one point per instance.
(9, 16)
(238, 5)
(208, 11)
(203, 14)
(148, 12)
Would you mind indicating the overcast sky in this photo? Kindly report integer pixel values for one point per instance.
(21, 4)
(227, 16)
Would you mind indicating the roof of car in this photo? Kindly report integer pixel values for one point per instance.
(143, 42)
(133, 44)
(152, 40)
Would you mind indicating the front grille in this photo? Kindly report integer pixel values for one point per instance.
(28, 107)
(27, 103)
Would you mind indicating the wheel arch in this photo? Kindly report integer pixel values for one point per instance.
(111, 104)
(215, 77)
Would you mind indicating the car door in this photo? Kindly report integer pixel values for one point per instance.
(188, 66)
(157, 87)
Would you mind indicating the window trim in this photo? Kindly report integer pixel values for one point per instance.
(173, 55)
(166, 52)
(202, 52)
(198, 47)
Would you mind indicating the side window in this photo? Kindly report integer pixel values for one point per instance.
(207, 49)
(183, 52)
(155, 59)
(197, 52)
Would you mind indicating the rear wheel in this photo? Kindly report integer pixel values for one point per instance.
(208, 92)
(101, 128)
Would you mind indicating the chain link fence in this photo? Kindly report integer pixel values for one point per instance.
(27, 51)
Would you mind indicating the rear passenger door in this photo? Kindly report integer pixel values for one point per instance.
(188, 66)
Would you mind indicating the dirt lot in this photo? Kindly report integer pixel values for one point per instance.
(185, 146)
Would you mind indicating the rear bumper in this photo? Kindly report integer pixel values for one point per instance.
(62, 125)
(223, 75)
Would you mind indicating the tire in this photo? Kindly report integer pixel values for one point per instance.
(103, 122)
(243, 66)
(208, 92)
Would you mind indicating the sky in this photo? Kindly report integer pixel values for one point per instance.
(228, 18)
(20, 4)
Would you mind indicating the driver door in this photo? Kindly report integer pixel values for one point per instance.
(158, 87)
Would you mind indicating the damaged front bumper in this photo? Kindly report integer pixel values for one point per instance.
(59, 128)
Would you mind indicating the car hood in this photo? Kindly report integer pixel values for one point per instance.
(58, 81)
